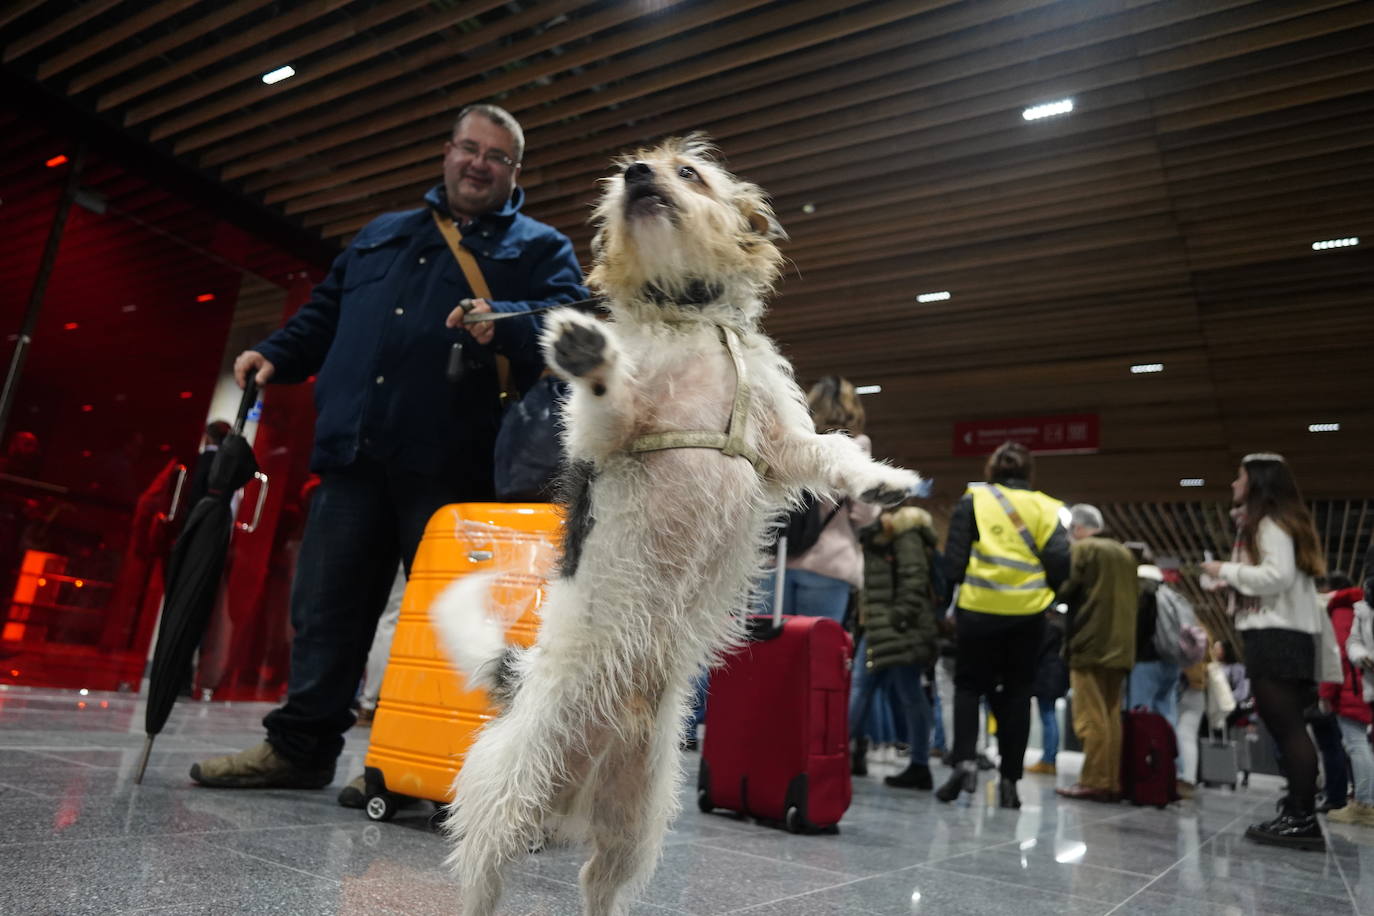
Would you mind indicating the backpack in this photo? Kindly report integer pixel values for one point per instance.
(1177, 638)
(804, 524)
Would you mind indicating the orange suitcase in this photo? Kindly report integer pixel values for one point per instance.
(426, 717)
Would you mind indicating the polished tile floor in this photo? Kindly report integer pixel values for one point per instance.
(78, 837)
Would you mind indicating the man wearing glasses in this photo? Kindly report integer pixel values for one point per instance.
(401, 430)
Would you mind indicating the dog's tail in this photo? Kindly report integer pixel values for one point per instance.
(474, 637)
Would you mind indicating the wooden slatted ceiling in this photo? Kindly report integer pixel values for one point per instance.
(1168, 219)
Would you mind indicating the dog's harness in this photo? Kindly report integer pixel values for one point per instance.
(731, 442)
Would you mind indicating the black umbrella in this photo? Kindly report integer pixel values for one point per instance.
(194, 573)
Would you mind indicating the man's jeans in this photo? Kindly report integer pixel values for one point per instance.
(1154, 685)
(363, 520)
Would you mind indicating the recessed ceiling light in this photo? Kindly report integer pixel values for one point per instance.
(55, 161)
(1192, 482)
(808, 208)
(868, 389)
(1323, 427)
(206, 297)
(933, 297)
(279, 74)
(1336, 243)
(1144, 368)
(1048, 110)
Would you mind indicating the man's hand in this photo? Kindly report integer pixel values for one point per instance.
(253, 361)
(483, 331)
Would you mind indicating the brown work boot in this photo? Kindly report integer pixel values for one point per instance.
(259, 767)
(1043, 768)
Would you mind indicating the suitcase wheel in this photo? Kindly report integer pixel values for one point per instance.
(381, 807)
(793, 820)
(704, 802)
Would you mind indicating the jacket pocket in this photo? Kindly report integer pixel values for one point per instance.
(371, 263)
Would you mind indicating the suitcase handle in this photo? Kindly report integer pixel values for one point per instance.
(762, 629)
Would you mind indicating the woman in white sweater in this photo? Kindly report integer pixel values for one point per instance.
(1273, 599)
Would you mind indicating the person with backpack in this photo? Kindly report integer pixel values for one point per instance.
(1347, 701)
(897, 615)
(824, 560)
(1169, 673)
(1008, 550)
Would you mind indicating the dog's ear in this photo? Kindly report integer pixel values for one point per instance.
(761, 219)
(754, 206)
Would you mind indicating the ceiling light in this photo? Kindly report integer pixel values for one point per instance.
(279, 74)
(1323, 427)
(869, 389)
(55, 161)
(1192, 482)
(206, 297)
(1336, 243)
(70, 326)
(808, 208)
(933, 297)
(1048, 110)
(1145, 368)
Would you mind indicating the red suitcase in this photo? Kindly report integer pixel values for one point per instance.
(1149, 751)
(777, 722)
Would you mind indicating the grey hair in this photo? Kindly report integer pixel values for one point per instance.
(1087, 516)
(501, 118)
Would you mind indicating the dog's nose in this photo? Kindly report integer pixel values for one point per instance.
(638, 171)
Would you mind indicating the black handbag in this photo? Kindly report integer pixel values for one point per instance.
(529, 451)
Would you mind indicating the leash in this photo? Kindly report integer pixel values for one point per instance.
(591, 304)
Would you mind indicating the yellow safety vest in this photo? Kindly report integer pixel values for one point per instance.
(1004, 573)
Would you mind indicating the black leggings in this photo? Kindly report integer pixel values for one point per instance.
(1280, 704)
(997, 657)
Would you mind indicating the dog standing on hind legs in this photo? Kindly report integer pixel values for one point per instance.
(686, 436)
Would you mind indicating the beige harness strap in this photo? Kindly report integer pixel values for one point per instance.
(732, 441)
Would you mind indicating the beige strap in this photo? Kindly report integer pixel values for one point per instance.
(732, 441)
(449, 230)
(478, 283)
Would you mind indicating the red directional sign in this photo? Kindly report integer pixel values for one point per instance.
(1066, 434)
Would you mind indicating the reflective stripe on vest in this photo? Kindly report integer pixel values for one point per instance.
(1004, 573)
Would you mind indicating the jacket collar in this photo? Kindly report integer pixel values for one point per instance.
(437, 198)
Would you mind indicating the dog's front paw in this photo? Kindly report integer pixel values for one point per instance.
(888, 485)
(576, 348)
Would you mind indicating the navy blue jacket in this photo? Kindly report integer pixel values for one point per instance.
(373, 335)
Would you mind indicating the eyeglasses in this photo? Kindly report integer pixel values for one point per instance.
(491, 157)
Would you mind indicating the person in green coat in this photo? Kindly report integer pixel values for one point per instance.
(897, 621)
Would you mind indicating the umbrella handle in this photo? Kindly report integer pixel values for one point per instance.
(176, 493)
(257, 512)
(250, 397)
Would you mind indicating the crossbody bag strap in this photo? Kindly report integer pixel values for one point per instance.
(476, 282)
(1015, 517)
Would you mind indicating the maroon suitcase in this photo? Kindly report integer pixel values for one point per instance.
(1149, 751)
(777, 726)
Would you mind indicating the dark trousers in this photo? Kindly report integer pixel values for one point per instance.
(997, 657)
(363, 520)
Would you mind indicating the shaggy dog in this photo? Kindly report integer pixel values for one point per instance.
(664, 535)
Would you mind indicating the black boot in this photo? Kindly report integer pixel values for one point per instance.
(963, 779)
(913, 777)
(858, 757)
(1291, 829)
(1006, 794)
